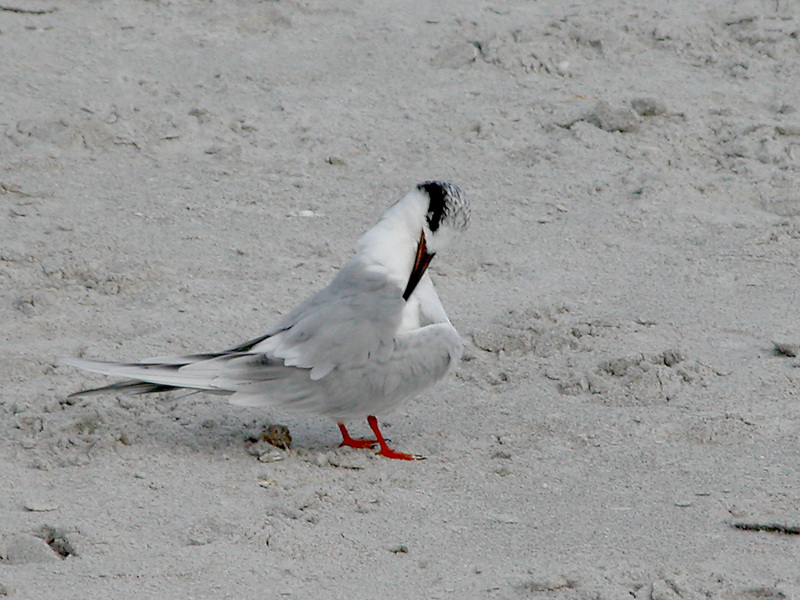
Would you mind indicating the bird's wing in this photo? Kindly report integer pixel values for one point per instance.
(353, 319)
(418, 360)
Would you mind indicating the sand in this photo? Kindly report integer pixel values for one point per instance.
(176, 175)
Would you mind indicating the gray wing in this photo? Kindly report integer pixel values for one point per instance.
(352, 320)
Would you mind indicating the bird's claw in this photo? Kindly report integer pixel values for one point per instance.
(389, 453)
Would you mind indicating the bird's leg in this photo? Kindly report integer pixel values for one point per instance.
(354, 442)
(385, 450)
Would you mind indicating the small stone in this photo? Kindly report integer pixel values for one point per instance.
(130, 402)
(648, 107)
(787, 348)
(10, 254)
(278, 435)
(456, 56)
(550, 583)
(201, 114)
(504, 519)
(199, 540)
(663, 32)
(19, 549)
(399, 549)
(57, 539)
(271, 456)
(257, 447)
(348, 460)
(40, 506)
(318, 459)
(611, 119)
(788, 129)
(662, 590)
(673, 357)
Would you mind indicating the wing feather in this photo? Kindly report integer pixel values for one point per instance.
(355, 318)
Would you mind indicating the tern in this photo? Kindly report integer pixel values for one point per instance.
(375, 337)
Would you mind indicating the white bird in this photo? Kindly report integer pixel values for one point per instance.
(375, 337)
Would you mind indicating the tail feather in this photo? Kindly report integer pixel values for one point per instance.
(183, 372)
(129, 386)
(246, 378)
(221, 373)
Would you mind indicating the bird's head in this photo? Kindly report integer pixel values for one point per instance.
(446, 218)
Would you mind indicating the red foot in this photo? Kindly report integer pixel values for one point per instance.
(385, 450)
(389, 453)
(354, 442)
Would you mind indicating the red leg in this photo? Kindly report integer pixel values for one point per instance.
(385, 450)
(354, 442)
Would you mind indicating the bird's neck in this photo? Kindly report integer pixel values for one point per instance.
(392, 243)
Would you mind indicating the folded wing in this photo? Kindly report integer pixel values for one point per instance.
(353, 320)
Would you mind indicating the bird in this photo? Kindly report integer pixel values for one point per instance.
(375, 337)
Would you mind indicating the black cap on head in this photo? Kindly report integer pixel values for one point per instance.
(437, 192)
(448, 206)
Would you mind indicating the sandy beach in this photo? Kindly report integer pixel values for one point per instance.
(176, 175)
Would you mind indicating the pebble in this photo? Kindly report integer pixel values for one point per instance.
(456, 56)
(788, 129)
(320, 459)
(271, 456)
(787, 348)
(278, 435)
(19, 549)
(349, 460)
(648, 107)
(551, 583)
(40, 506)
(504, 519)
(613, 119)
